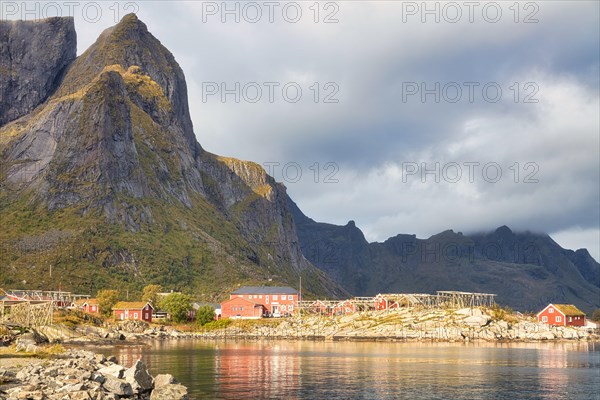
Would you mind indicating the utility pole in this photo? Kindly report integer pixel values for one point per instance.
(300, 298)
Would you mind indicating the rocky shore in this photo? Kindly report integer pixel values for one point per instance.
(411, 325)
(83, 375)
(407, 324)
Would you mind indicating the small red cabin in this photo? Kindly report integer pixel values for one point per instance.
(562, 315)
(141, 311)
(88, 306)
(318, 307)
(238, 307)
(381, 302)
(344, 307)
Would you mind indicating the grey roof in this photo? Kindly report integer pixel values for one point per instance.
(266, 290)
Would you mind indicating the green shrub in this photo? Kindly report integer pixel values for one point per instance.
(177, 305)
(204, 315)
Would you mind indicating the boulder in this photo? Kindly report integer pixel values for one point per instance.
(468, 312)
(27, 342)
(138, 377)
(133, 326)
(502, 324)
(81, 395)
(164, 379)
(114, 370)
(118, 386)
(35, 395)
(170, 392)
(97, 377)
(477, 320)
(112, 359)
(106, 396)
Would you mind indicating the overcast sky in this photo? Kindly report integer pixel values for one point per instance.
(502, 100)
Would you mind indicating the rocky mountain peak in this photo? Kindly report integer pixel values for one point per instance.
(130, 26)
(504, 231)
(129, 43)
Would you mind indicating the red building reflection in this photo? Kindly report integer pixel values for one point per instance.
(256, 370)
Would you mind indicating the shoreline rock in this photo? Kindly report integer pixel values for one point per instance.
(83, 375)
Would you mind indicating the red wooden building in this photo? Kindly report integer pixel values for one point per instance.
(239, 307)
(88, 306)
(137, 310)
(381, 303)
(277, 300)
(319, 307)
(562, 315)
(385, 302)
(344, 307)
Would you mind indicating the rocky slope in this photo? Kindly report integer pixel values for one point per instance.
(33, 59)
(104, 184)
(525, 270)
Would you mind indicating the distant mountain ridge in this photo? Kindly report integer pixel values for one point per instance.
(526, 270)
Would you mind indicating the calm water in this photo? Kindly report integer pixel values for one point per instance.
(347, 370)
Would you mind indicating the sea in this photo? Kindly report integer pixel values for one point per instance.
(328, 370)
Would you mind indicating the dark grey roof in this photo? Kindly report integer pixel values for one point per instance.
(266, 290)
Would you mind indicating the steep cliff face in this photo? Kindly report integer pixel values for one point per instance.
(33, 58)
(110, 160)
(525, 270)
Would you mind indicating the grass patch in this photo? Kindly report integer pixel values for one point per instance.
(217, 325)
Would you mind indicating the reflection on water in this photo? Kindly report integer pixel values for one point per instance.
(360, 370)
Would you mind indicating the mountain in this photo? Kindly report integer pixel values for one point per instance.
(103, 184)
(526, 270)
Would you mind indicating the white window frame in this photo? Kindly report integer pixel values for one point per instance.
(551, 310)
(275, 297)
(558, 318)
(544, 318)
